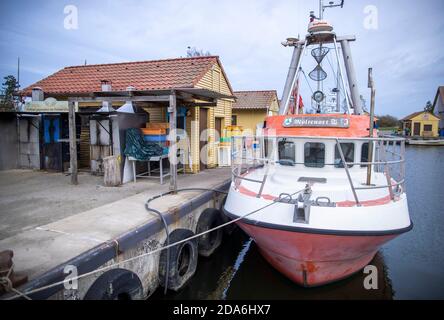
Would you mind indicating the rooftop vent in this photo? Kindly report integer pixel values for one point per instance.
(106, 85)
(128, 106)
(37, 94)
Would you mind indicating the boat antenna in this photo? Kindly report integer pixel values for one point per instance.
(18, 73)
(331, 4)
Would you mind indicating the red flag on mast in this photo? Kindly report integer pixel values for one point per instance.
(294, 96)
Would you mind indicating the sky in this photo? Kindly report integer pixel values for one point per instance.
(401, 40)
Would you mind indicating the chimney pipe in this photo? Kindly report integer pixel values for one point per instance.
(37, 94)
(106, 85)
(106, 105)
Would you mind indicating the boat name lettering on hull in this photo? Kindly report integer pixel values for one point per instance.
(324, 122)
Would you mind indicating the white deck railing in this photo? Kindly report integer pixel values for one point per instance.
(249, 153)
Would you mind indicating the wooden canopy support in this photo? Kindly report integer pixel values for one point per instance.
(72, 142)
(164, 97)
(172, 110)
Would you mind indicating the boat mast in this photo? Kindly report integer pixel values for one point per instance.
(354, 100)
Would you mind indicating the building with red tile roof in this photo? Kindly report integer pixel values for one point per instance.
(251, 108)
(203, 72)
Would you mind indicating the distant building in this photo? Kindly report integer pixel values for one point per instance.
(252, 107)
(438, 107)
(420, 124)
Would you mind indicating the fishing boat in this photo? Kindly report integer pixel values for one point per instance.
(318, 190)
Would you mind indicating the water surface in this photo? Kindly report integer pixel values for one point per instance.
(409, 267)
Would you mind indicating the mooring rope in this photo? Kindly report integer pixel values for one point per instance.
(6, 283)
(27, 293)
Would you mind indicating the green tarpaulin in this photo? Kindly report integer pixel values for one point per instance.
(138, 148)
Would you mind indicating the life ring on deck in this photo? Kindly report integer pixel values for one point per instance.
(183, 260)
(209, 242)
(116, 284)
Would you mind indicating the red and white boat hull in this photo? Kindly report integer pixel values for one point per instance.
(333, 243)
(311, 259)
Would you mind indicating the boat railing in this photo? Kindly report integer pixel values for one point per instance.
(388, 157)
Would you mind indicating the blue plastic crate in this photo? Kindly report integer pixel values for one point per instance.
(158, 138)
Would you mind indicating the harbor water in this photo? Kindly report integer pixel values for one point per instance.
(409, 267)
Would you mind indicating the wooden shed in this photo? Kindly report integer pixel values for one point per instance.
(421, 124)
(199, 120)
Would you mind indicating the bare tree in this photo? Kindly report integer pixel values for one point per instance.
(194, 52)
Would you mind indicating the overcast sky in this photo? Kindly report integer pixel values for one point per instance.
(406, 49)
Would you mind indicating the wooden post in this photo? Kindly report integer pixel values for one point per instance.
(72, 142)
(112, 174)
(172, 110)
(371, 85)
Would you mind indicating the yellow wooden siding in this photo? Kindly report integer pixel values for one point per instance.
(156, 114)
(192, 129)
(274, 107)
(213, 80)
(248, 119)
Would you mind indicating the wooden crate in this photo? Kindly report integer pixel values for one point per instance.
(157, 125)
(153, 131)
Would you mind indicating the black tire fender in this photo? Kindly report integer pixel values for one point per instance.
(116, 284)
(209, 242)
(183, 260)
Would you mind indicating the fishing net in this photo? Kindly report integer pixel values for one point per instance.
(319, 53)
(318, 74)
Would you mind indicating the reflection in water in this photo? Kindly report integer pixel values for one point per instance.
(409, 267)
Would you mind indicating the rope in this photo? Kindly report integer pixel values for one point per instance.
(55, 284)
(6, 283)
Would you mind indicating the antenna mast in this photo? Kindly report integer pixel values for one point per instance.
(321, 32)
(18, 73)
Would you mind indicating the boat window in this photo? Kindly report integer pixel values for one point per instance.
(364, 154)
(287, 152)
(314, 154)
(348, 149)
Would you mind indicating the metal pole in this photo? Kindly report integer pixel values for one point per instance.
(18, 73)
(297, 99)
(387, 170)
(402, 153)
(172, 110)
(338, 103)
(285, 99)
(290, 76)
(72, 142)
(342, 75)
(371, 85)
(355, 195)
(351, 75)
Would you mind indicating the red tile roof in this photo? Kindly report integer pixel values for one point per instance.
(143, 75)
(254, 99)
